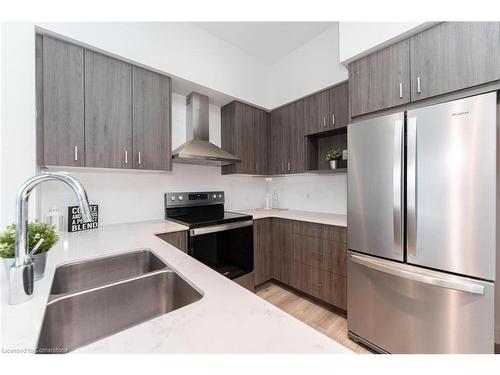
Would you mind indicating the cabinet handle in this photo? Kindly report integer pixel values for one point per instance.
(288, 165)
(400, 90)
(282, 167)
(76, 153)
(126, 157)
(324, 122)
(418, 85)
(139, 158)
(333, 118)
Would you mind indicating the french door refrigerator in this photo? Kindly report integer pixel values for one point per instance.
(421, 228)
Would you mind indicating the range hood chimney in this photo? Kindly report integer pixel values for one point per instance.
(198, 149)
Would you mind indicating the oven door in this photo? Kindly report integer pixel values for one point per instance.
(226, 248)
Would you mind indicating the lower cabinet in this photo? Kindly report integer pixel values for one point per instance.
(262, 244)
(177, 239)
(309, 257)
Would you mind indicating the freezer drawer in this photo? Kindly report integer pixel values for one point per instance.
(400, 308)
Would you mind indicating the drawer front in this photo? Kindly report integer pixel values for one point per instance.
(326, 286)
(328, 232)
(320, 253)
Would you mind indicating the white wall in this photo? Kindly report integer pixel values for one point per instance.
(179, 49)
(318, 193)
(136, 196)
(308, 69)
(17, 145)
(355, 38)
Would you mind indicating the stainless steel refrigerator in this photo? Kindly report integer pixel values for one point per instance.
(421, 228)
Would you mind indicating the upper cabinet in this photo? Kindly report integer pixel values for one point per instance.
(151, 119)
(317, 112)
(327, 110)
(60, 107)
(452, 56)
(380, 80)
(245, 134)
(108, 112)
(448, 57)
(97, 111)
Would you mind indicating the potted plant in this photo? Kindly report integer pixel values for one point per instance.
(333, 156)
(36, 231)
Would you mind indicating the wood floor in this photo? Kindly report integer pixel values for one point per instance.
(310, 312)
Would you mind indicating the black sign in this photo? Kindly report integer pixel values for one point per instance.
(75, 222)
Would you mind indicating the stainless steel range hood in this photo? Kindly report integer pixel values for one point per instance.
(198, 149)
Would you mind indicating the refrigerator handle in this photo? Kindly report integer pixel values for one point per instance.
(397, 183)
(448, 282)
(411, 187)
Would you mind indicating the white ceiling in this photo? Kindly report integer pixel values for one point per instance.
(266, 41)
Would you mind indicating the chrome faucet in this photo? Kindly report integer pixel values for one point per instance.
(21, 272)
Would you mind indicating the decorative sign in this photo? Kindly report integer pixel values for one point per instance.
(75, 222)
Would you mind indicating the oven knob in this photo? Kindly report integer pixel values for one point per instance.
(220, 196)
(180, 197)
(172, 197)
(215, 196)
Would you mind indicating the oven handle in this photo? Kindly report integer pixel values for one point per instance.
(220, 228)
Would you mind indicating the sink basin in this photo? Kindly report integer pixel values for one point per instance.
(86, 274)
(79, 318)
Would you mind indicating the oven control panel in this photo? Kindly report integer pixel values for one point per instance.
(193, 198)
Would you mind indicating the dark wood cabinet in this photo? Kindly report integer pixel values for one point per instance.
(245, 134)
(61, 104)
(263, 245)
(287, 146)
(94, 110)
(309, 257)
(380, 80)
(317, 112)
(278, 153)
(452, 56)
(339, 107)
(108, 112)
(151, 120)
(176, 239)
(282, 250)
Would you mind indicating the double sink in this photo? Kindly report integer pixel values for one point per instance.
(95, 298)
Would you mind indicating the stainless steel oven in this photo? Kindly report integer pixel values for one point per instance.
(220, 239)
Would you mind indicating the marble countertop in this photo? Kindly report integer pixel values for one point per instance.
(312, 217)
(227, 319)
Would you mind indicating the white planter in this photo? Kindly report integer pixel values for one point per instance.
(333, 164)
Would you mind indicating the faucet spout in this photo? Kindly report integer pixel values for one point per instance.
(21, 272)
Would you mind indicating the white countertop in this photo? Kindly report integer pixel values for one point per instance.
(228, 319)
(312, 217)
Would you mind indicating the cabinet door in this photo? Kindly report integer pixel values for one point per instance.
(262, 243)
(261, 141)
(317, 112)
(453, 56)
(296, 138)
(108, 112)
(63, 103)
(151, 120)
(278, 150)
(380, 80)
(339, 106)
(282, 250)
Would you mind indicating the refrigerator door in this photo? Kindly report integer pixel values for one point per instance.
(451, 186)
(398, 308)
(375, 186)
